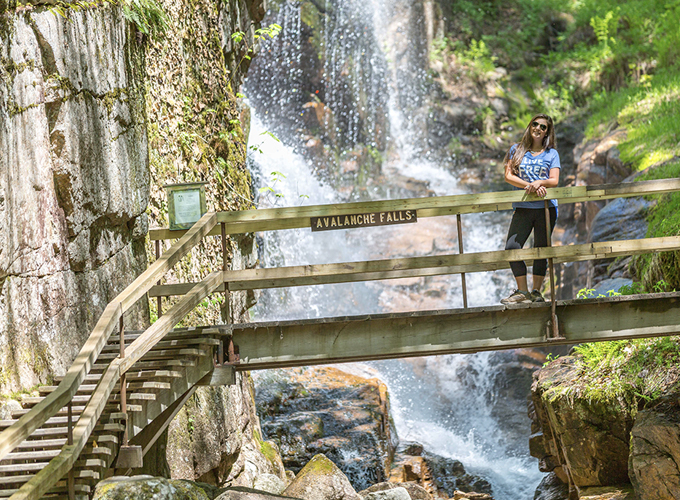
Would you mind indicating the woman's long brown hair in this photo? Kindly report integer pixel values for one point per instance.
(527, 141)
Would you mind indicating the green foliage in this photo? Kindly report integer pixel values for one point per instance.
(650, 112)
(589, 293)
(477, 56)
(550, 358)
(148, 16)
(628, 370)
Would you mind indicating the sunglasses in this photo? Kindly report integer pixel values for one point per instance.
(539, 125)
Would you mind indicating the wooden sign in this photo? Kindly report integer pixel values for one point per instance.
(330, 222)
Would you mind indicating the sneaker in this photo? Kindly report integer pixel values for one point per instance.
(517, 297)
(536, 296)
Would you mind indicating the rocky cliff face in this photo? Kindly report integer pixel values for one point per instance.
(74, 182)
(95, 117)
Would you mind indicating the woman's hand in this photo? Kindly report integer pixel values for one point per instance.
(536, 187)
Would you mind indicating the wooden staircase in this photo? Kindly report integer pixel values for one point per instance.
(171, 367)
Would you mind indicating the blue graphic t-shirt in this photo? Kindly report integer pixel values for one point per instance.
(535, 168)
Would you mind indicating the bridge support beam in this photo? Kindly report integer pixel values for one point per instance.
(360, 338)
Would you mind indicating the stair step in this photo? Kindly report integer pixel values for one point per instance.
(41, 444)
(148, 365)
(31, 455)
(82, 389)
(32, 401)
(107, 417)
(161, 354)
(24, 478)
(137, 375)
(168, 344)
(77, 410)
(82, 489)
(50, 421)
(89, 388)
(174, 335)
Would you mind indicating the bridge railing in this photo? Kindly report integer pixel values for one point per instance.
(226, 223)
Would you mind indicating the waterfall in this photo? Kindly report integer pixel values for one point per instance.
(369, 93)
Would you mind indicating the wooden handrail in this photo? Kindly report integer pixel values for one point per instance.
(409, 267)
(294, 217)
(62, 463)
(20, 430)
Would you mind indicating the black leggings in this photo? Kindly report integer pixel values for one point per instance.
(523, 221)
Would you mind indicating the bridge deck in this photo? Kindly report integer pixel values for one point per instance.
(359, 338)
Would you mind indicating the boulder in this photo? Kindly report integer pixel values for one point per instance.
(241, 493)
(321, 479)
(415, 491)
(433, 473)
(655, 451)
(393, 494)
(552, 488)
(269, 483)
(147, 488)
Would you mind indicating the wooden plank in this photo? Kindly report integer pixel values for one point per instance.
(221, 375)
(148, 436)
(361, 338)
(291, 217)
(249, 279)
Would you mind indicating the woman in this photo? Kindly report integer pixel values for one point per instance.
(533, 165)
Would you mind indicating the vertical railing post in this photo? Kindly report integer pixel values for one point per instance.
(553, 331)
(123, 382)
(71, 474)
(460, 249)
(225, 309)
(159, 299)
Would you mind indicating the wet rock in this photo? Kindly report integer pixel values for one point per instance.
(624, 492)
(326, 411)
(461, 495)
(586, 439)
(241, 493)
(552, 488)
(415, 492)
(321, 479)
(435, 474)
(655, 451)
(393, 494)
(147, 488)
(622, 219)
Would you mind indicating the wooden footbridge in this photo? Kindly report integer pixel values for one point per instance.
(124, 387)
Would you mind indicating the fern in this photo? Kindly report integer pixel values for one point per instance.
(148, 16)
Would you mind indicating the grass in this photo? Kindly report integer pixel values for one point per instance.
(651, 115)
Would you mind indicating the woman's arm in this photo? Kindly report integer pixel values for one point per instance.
(539, 187)
(512, 179)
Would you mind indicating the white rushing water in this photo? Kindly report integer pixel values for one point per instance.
(443, 402)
